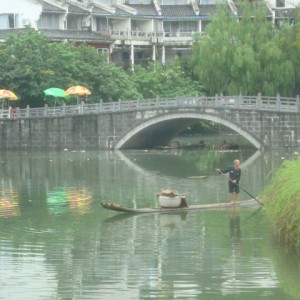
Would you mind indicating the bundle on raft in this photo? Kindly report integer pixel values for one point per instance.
(168, 198)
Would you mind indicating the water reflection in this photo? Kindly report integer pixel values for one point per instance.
(9, 203)
(61, 200)
(53, 228)
(79, 200)
(235, 229)
(192, 241)
(57, 201)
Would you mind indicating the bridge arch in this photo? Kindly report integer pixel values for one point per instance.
(150, 126)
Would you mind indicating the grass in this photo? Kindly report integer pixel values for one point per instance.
(282, 201)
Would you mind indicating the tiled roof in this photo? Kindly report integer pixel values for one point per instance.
(262, 5)
(144, 9)
(207, 10)
(121, 12)
(75, 35)
(77, 10)
(47, 7)
(100, 11)
(4, 33)
(177, 11)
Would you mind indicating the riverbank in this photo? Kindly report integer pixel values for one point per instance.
(282, 201)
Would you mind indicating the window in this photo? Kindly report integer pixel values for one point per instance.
(175, 26)
(101, 24)
(280, 3)
(73, 22)
(8, 21)
(104, 51)
(48, 21)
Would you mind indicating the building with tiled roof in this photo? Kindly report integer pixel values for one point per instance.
(128, 31)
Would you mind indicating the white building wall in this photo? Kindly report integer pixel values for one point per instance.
(28, 11)
(288, 3)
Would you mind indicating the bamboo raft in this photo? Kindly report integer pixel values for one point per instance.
(185, 207)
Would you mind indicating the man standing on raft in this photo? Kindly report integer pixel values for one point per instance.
(234, 178)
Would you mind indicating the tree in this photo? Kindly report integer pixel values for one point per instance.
(288, 40)
(242, 56)
(31, 63)
(23, 65)
(165, 81)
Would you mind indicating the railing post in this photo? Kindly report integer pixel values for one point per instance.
(157, 101)
(216, 100)
(238, 101)
(258, 100)
(46, 110)
(64, 109)
(101, 105)
(120, 104)
(298, 103)
(27, 111)
(278, 102)
(81, 107)
(176, 101)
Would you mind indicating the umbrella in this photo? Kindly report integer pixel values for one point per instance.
(7, 94)
(55, 92)
(78, 90)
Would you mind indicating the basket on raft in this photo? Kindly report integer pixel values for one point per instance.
(168, 198)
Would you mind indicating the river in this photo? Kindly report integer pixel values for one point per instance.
(57, 242)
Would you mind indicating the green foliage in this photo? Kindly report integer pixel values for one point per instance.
(282, 198)
(243, 56)
(164, 81)
(32, 63)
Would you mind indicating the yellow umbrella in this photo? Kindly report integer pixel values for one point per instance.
(7, 94)
(78, 90)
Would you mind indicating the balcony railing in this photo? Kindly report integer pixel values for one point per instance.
(151, 36)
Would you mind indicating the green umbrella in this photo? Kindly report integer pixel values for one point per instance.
(56, 93)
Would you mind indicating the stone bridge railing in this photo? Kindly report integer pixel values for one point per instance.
(259, 103)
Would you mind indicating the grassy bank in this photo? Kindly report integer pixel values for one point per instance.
(282, 202)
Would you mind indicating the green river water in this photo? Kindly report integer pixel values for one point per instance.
(57, 242)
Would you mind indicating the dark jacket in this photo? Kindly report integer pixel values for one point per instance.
(234, 174)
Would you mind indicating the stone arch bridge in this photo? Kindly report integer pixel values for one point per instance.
(140, 124)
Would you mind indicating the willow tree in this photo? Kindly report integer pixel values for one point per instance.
(288, 40)
(241, 55)
(213, 53)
